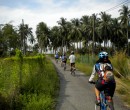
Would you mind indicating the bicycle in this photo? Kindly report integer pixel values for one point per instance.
(56, 60)
(73, 71)
(104, 104)
(64, 65)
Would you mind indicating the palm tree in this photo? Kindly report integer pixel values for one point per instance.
(84, 27)
(118, 40)
(55, 38)
(105, 27)
(76, 32)
(42, 33)
(24, 32)
(62, 22)
(124, 17)
(10, 37)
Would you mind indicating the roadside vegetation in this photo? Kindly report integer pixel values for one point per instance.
(26, 83)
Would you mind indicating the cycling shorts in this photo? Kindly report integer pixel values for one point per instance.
(64, 61)
(108, 87)
(72, 64)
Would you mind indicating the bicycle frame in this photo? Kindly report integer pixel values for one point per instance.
(64, 65)
(103, 104)
(73, 71)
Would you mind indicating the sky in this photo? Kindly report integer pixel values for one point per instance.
(50, 11)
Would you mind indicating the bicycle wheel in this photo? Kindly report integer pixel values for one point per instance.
(110, 106)
(64, 67)
(73, 72)
(56, 60)
(97, 107)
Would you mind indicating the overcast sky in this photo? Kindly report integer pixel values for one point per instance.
(50, 11)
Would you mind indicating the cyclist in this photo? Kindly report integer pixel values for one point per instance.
(64, 59)
(72, 60)
(56, 57)
(105, 81)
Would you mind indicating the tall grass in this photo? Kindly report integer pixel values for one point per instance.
(121, 63)
(85, 63)
(28, 83)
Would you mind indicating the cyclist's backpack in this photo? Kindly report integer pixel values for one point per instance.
(108, 73)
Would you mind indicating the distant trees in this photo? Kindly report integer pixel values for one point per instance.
(12, 38)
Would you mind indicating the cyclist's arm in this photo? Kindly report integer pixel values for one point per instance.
(93, 74)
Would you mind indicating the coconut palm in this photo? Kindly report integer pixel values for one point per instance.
(124, 17)
(84, 26)
(10, 37)
(117, 38)
(105, 27)
(55, 38)
(76, 33)
(63, 30)
(24, 31)
(42, 33)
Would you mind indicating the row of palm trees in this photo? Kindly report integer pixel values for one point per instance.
(91, 31)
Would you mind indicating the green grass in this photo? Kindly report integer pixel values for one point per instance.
(29, 83)
(87, 69)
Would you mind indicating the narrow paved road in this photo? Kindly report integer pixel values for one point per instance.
(76, 93)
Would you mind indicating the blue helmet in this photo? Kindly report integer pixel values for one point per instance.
(103, 55)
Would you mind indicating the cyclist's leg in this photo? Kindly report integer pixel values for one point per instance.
(110, 103)
(99, 86)
(70, 67)
(65, 64)
(109, 92)
(56, 60)
(74, 66)
(61, 63)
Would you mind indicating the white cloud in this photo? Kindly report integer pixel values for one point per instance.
(51, 12)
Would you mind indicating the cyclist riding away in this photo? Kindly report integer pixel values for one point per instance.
(64, 59)
(72, 60)
(56, 57)
(104, 70)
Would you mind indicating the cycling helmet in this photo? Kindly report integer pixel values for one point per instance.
(103, 55)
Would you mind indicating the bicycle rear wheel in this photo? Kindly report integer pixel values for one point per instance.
(110, 106)
(97, 107)
(73, 73)
(64, 67)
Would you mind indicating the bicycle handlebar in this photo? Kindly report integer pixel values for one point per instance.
(92, 82)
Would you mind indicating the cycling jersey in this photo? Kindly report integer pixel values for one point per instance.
(56, 56)
(72, 58)
(64, 58)
(99, 69)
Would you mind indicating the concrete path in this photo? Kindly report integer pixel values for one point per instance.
(76, 93)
